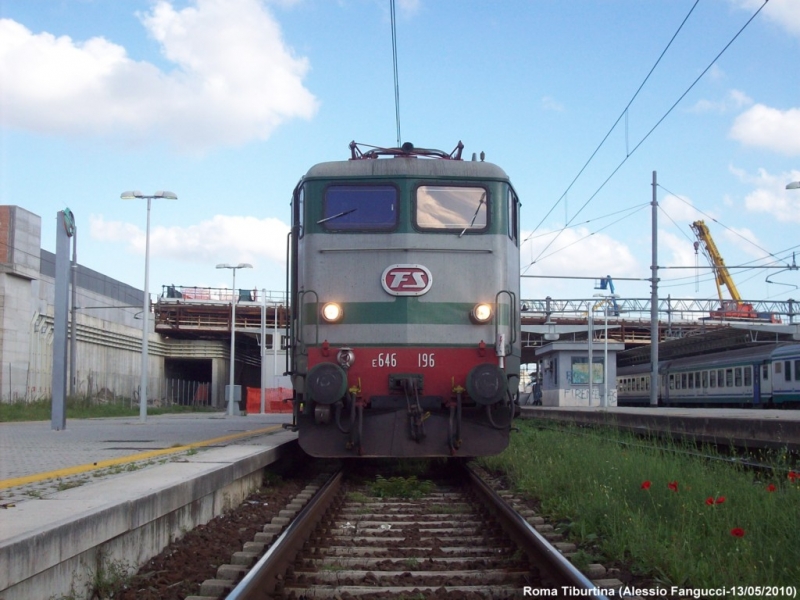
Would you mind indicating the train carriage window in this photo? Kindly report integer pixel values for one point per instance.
(359, 207)
(737, 377)
(671, 381)
(748, 376)
(684, 378)
(787, 372)
(765, 372)
(691, 380)
(705, 379)
(712, 379)
(797, 370)
(721, 378)
(449, 207)
(728, 377)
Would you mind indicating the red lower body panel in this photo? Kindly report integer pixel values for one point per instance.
(385, 421)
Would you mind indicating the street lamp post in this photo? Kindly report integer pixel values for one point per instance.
(233, 327)
(607, 300)
(135, 195)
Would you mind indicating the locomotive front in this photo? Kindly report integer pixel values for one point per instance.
(404, 285)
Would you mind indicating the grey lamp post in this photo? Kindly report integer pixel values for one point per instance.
(607, 299)
(233, 326)
(136, 195)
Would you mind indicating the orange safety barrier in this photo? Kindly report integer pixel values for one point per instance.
(273, 400)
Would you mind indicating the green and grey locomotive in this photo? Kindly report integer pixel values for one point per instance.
(404, 288)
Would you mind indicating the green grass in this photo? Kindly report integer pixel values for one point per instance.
(401, 487)
(670, 533)
(82, 408)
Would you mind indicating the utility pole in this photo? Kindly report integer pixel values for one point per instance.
(654, 300)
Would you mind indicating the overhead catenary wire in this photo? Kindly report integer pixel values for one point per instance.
(633, 210)
(624, 113)
(396, 76)
(646, 136)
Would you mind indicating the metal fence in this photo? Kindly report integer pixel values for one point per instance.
(20, 383)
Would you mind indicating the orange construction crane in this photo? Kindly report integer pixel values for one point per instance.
(733, 309)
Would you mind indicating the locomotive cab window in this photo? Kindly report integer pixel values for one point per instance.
(360, 208)
(448, 207)
(298, 209)
(513, 215)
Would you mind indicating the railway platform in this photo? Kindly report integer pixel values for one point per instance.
(117, 491)
(751, 428)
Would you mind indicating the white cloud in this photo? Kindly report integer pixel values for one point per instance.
(733, 100)
(409, 7)
(234, 79)
(771, 128)
(785, 13)
(678, 251)
(576, 253)
(221, 238)
(680, 210)
(549, 103)
(771, 195)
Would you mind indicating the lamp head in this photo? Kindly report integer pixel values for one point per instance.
(793, 185)
(132, 195)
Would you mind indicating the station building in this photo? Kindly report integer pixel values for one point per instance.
(565, 373)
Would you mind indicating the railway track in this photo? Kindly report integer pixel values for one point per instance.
(452, 537)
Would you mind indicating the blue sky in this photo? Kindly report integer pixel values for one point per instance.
(227, 103)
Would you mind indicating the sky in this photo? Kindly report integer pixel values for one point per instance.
(227, 103)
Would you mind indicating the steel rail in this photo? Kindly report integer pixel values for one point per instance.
(261, 580)
(531, 541)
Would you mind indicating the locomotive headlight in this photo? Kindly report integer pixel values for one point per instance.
(332, 312)
(481, 313)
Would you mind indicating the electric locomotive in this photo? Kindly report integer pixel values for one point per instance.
(404, 287)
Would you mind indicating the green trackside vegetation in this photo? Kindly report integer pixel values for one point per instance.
(665, 511)
(83, 408)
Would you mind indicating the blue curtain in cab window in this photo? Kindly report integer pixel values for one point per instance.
(367, 207)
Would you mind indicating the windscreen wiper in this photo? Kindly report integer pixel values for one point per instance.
(475, 216)
(341, 214)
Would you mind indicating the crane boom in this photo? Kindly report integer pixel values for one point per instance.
(721, 274)
(729, 309)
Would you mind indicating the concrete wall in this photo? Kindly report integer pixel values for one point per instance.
(108, 328)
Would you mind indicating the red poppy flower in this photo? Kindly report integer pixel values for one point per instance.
(673, 485)
(709, 500)
(645, 485)
(771, 487)
(793, 476)
(719, 500)
(737, 532)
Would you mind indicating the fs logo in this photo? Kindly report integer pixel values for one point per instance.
(406, 280)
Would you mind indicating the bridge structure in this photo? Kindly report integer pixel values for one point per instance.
(205, 313)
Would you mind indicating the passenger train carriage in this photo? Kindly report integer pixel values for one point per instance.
(404, 286)
(765, 375)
